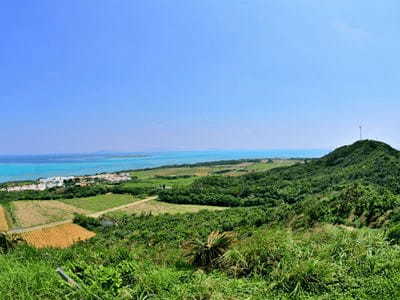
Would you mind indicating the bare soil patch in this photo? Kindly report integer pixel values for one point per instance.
(32, 213)
(61, 236)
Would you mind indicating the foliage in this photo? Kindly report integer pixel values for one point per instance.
(393, 234)
(271, 263)
(205, 253)
(86, 221)
(355, 184)
(8, 241)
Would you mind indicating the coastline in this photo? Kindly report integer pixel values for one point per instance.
(33, 171)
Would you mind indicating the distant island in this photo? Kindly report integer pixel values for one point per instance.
(129, 155)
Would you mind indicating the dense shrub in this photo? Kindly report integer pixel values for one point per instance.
(393, 234)
(206, 253)
(86, 221)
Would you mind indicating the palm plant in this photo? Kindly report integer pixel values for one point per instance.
(205, 253)
(8, 241)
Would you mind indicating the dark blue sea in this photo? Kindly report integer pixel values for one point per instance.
(24, 167)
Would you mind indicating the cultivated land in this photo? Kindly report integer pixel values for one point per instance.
(157, 183)
(227, 169)
(61, 236)
(144, 183)
(100, 202)
(3, 220)
(157, 207)
(32, 213)
(171, 177)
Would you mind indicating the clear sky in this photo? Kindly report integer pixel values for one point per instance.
(81, 76)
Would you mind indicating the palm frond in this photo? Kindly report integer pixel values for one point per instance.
(205, 253)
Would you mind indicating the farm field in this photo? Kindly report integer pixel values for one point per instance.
(173, 177)
(156, 207)
(100, 202)
(32, 213)
(158, 182)
(173, 171)
(264, 166)
(232, 169)
(3, 220)
(61, 236)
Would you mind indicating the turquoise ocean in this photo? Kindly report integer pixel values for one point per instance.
(29, 167)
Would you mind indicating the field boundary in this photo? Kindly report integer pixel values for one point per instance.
(93, 215)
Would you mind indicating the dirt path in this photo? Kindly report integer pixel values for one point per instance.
(93, 215)
(100, 213)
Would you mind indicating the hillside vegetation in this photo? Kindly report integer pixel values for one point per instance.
(327, 229)
(357, 184)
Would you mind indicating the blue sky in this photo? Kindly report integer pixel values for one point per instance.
(81, 76)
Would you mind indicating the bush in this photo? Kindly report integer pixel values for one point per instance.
(205, 254)
(85, 221)
(393, 234)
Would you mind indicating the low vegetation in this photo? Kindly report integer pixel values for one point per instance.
(157, 207)
(143, 257)
(100, 202)
(33, 213)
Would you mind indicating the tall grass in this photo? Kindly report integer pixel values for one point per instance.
(324, 262)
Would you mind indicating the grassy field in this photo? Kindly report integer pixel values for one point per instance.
(16, 183)
(232, 169)
(158, 182)
(264, 166)
(156, 207)
(195, 171)
(32, 213)
(100, 202)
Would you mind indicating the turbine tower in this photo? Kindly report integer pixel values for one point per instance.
(360, 132)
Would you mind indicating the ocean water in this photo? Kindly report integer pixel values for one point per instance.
(28, 167)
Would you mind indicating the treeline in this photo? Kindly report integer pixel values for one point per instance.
(221, 191)
(76, 192)
(205, 164)
(173, 177)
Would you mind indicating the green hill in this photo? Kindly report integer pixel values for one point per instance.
(360, 182)
(358, 153)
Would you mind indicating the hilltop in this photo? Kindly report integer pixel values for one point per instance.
(359, 152)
